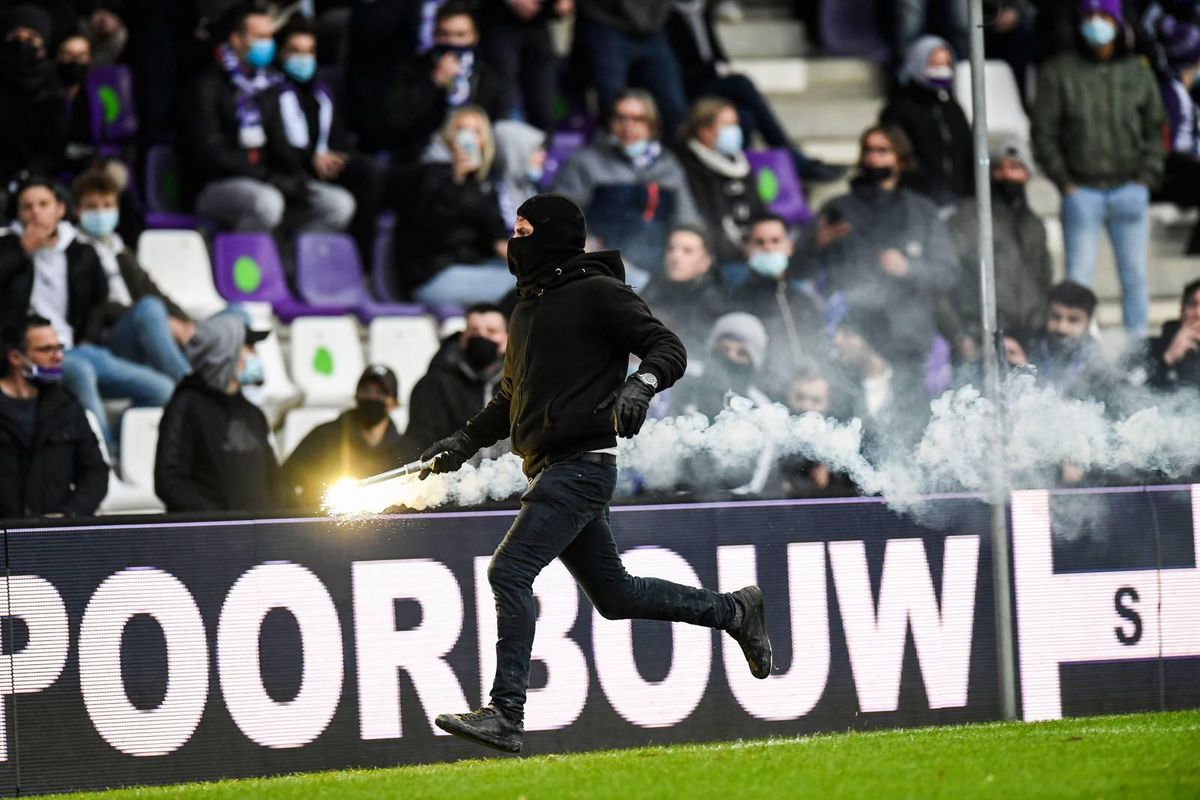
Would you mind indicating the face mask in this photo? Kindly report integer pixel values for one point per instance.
(1098, 31)
(41, 376)
(437, 51)
(251, 373)
(22, 67)
(261, 53)
(468, 143)
(534, 174)
(300, 68)
(636, 149)
(369, 412)
(875, 175)
(1009, 191)
(480, 353)
(729, 140)
(768, 265)
(71, 74)
(99, 223)
(940, 77)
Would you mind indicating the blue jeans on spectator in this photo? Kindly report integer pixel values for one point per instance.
(92, 372)
(564, 515)
(615, 60)
(1123, 211)
(949, 20)
(143, 334)
(464, 284)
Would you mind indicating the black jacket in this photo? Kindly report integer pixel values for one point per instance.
(87, 287)
(33, 134)
(337, 450)
(442, 222)
(697, 70)
(140, 285)
(569, 340)
(299, 159)
(209, 146)
(416, 106)
(941, 139)
(767, 299)
(1185, 373)
(689, 309)
(726, 203)
(448, 395)
(214, 453)
(60, 470)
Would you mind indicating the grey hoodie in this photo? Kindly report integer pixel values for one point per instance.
(214, 349)
(516, 142)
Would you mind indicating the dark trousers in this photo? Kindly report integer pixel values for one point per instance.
(564, 515)
(524, 55)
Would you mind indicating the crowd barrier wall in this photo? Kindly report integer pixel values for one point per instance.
(169, 652)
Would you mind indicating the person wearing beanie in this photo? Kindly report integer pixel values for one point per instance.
(564, 399)
(1180, 42)
(1097, 134)
(734, 358)
(1024, 269)
(214, 452)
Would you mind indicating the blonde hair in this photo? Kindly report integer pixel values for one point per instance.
(487, 140)
(704, 113)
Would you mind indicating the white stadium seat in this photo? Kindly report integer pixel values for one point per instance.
(1005, 114)
(299, 422)
(139, 437)
(179, 264)
(406, 344)
(327, 359)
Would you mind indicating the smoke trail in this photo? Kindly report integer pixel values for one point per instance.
(1043, 430)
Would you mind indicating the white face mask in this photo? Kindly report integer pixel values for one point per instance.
(768, 264)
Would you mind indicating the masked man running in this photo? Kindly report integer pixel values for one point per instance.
(570, 337)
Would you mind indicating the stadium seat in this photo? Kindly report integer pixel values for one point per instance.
(298, 423)
(778, 185)
(406, 344)
(163, 195)
(139, 439)
(328, 270)
(248, 267)
(178, 262)
(327, 359)
(121, 497)
(563, 145)
(110, 105)
(850, 28)
(1005, 114)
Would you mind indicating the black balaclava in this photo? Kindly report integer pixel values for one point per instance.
(559, 233)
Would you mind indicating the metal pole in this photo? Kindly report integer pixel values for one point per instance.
(1001, 577)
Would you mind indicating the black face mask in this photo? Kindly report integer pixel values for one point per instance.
(480, 353)
(369, 412)
(439, 50)
(874, 176)
(559, 233)
(22, 67)
(71, 73)
(1010, 192)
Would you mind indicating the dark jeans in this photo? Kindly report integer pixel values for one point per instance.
(564, 515)
(614, 61)
(524, 56)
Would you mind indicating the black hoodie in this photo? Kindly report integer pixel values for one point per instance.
(569, 340)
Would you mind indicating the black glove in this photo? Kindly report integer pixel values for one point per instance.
(448, 454)
(629, 404)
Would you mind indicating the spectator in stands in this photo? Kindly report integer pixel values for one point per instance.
(311, 118)
(450, 220)
(861, 372)
(50, 463)
(1181, 173)
(1153, 29)
(1023, 265)
(521, 163)
(631, 188)
(74, 61)
(707, 73)
(516, 39)
(243, 162)
(809, 392)
(1010, 36)
(925, 109)
(34, 130)
(1097, 133)
(619, 39)
(913, 19)
(771, 294)
(363, 441)
(733, 360)
(46, 269)
(882, 250)
(382, 37)
(1175, 355)
(686, 296)
(449, 76)
(719, 176)
(214, 453)
(107, 32)
(1068, 358)
(141, 323)
(462, 377)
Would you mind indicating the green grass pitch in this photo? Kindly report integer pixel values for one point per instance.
(1134, 756)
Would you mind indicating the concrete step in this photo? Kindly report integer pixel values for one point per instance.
(829, 77)
(769, 37)
(818, 115)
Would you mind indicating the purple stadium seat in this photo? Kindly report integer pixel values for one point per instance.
(328, 271)
(562, 145)
(849, 28)
(110, 100)
(778, 184)
(248, 268)
(163, 197)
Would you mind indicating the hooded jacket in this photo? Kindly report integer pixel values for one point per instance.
(214, 453)
(569, 340)
(447, 395)
(57, 470)
(87, 285)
